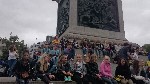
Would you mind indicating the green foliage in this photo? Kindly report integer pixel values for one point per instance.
(147, 47)
(13, 40)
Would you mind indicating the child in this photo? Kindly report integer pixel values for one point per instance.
(79, 69)
(105, 71)
(64, 69)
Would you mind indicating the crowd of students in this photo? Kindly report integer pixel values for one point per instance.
(58, 61)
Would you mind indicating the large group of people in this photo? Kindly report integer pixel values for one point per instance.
(59, 61)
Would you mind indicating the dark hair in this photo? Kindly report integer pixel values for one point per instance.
(147, 70)
(126, 63)
(126, 44)
(25, 51)
(136, 66)
(12, 48)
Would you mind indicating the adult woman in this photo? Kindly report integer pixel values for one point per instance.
(23, 69)
(12, 59)
(92, 74)
(64, 69)
(138, 72)
(123, 71)
(43, 69)
(105, 71)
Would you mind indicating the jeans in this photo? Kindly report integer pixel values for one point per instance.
(11, 64)
(109, 80)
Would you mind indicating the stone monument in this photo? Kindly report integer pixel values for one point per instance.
(91, 19)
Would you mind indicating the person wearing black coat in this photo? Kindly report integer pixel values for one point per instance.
(123, 71)
(23, 69)
(92, 74)
(43, 70)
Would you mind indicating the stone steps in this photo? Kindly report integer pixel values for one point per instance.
(12, 80)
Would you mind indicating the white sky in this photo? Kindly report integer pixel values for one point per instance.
(31, 19)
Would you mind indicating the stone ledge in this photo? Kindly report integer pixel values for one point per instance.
(12, 80)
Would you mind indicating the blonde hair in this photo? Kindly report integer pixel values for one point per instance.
(80, 56)
(107, 57)
(93, 58)
(60, 62)
(43, 66)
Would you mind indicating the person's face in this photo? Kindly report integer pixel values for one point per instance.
(79, 58)
(56, 37)
(107, 60)
(87, 59)
(46, 45)
(64, 59)
(122, 62)
(54, 47)
(69, 46)
(46, 59)
(26, 56)
(142, 63)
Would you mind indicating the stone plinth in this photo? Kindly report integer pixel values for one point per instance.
(91, 19)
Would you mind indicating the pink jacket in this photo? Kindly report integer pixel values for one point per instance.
(105, 70)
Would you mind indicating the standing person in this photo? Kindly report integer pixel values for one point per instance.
(83, 45)
(12, 59)
(23, 69)
(105, 71)
(92, 74)
(64, 69)
(97, 49)
(56, 41)
(125, 52)
(62, 43)
(43, 70)
(123, 71)
(149, 56)
(79, 69)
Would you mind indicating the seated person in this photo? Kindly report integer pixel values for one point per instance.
(23, 69)
(138, 71)
(64, 69)
(92, 74)
(79, 69)
(123, 72)
(43, 69)
(105, 71)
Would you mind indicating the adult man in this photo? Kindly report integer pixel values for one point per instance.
(125, 52)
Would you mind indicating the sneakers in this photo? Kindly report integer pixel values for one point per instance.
(68, 79)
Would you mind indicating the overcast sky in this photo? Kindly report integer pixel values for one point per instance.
(31, 19)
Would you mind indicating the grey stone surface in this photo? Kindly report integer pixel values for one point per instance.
(92, 33)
